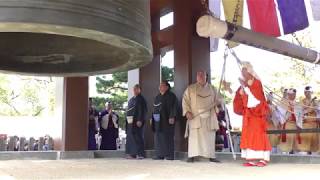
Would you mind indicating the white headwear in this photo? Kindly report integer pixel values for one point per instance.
(291, 91)
(308, 89)
(107, 103)
(249, 67)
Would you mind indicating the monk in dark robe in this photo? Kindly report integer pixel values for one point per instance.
(93, 128)
(109, 128)
(163, 122)
(136, 115)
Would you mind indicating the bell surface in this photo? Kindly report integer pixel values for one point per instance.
(74, 37)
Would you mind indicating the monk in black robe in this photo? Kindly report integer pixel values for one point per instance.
(109, 128)
(163, 122)
(136, 115)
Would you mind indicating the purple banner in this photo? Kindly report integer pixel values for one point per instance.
(293, 15)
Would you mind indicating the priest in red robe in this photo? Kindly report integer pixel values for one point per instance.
(250, 102)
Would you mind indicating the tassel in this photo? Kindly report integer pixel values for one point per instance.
(299, 138)
(284, 135)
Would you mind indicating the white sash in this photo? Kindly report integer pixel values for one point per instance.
(130, 119)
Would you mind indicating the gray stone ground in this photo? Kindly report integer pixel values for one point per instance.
(122, 169)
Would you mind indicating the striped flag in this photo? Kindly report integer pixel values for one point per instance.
(230, 6)
(293, 15)
(315, 6)
(263, 17)
(215, 7)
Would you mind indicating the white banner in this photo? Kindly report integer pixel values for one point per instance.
(315, 6)
(215, 7)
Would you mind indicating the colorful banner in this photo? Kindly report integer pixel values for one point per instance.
(293, 15)
(315, 6)
(263, 17)
(215, 7)
(230, 6)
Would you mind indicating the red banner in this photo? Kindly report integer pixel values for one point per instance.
(263, 17)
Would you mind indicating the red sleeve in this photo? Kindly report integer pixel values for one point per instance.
(257, 90)
(239, 103)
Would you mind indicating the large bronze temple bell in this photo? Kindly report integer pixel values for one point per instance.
(74, 37)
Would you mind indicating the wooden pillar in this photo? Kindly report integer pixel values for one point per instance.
(191, 54)
(75, 114)
(149, 80)
(149, 77)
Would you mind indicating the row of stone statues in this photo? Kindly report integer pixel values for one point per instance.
(15, 143)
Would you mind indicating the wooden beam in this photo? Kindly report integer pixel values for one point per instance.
(160, 7)
(162, 39)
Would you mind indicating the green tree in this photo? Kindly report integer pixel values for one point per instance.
(114, 90)
(299, 73)
(27, 96)
(226, 96)
(167, 73)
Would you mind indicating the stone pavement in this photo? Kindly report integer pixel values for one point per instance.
(122, 169)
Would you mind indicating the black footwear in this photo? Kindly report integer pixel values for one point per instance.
(140, 157)
(214, 160)
(130, 157)
(190, 160)
(170, 158)
(158, 158)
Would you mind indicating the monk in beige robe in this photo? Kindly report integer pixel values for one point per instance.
(199, 102)
(292, 113)
(309, 141)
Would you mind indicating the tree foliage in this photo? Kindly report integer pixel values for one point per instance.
(167, 73)
(226, 96)
(299, 73)
(115, 90)
(26, 96)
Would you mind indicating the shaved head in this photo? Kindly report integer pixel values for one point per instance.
(202, 77)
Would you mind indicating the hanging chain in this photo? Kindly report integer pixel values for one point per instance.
(294, 35)
(205, 4)
(236, 13)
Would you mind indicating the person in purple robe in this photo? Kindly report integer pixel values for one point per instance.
(109, 128)
(222, 132)
(93, 130)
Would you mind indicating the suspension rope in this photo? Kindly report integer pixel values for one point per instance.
(286, 101)
(207, 11)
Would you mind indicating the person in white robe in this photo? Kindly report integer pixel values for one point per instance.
(292, 117)
(199, 107)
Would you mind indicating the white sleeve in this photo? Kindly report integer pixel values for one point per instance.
(252, 101)
(186, 102)
(299, 116)
(281, 113)
(318, 112)
(275, 116)
(114, 119)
